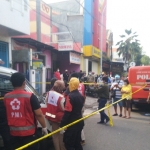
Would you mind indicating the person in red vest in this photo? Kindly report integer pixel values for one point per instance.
(57, 75)
(22, 109)
(55, 111)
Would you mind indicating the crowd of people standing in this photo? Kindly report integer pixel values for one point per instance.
(65, 104)
(118, 86)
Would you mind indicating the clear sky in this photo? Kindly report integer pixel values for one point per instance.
(127, 14)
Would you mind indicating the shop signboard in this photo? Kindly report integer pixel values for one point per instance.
(96, 52)
(74, 58)
(65, 46)
(90, 51)
(37, 64)
(45, 8)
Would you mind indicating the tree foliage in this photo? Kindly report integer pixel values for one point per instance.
(145, 60)
(138, 57)
(129, 46)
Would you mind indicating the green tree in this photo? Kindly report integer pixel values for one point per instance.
(129, 46)
(145, 60)
(138, 57)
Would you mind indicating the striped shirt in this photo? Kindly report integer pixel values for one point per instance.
(117, 90)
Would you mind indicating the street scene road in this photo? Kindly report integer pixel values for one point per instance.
(54, 53)
(126, 134)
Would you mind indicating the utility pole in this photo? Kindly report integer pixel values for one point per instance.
(111, 56)
(101, 46)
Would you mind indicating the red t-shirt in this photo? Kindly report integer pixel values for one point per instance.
(57, 75)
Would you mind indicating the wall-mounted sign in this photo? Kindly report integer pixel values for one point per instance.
(37, 65)
(65, 46)
(74, 58)
(96, 52)
(45, 8)
(90, 51)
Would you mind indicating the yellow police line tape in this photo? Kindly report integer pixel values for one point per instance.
(63, 128)
(68, 83)
(93, 83)
(110, 117)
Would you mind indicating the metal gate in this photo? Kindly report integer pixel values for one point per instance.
(38, 79)
(4, 54)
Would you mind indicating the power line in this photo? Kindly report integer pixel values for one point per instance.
(54, 22)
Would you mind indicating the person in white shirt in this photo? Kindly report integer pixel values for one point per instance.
(116, 88)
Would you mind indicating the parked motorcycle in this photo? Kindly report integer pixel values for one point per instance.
(90, 91)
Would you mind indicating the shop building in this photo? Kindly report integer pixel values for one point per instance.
(69, 35)
(87, 28)
(94, 42)
(32, 54)
(69, 56)
(11, 27)
(91, 59)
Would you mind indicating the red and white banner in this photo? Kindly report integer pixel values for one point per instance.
(65, 46)
(74, 58)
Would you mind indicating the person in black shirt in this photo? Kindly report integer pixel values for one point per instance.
(103, 94)
(66, 76)
(73, 112)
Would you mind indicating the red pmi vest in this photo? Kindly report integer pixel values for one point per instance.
(68, 106)
(54, 112)
(19, 113)
(81, 89)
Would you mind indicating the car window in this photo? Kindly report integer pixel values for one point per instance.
(30, 88)
(5, 83)
(6, 86)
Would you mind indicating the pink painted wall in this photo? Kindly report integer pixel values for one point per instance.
(65, 63)
(47, 53)
(54, 30)
(98, 26)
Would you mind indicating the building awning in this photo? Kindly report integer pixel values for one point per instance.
(34, 43)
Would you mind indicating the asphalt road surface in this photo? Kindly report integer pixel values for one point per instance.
(126, 134)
